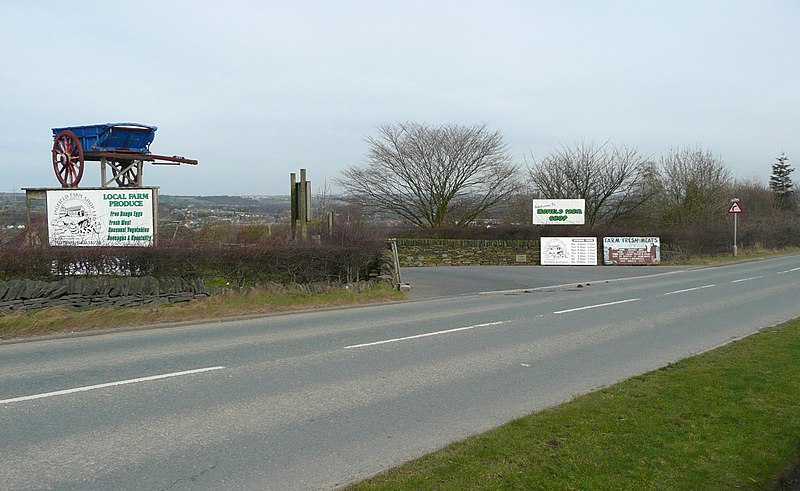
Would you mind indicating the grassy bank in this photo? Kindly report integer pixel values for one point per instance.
(745, 254)
(60, 320)
(728, 419)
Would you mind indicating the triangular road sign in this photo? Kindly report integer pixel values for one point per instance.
(735, 208)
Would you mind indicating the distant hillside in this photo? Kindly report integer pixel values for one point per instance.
(171, 207)
(270, 203)
(12, 197)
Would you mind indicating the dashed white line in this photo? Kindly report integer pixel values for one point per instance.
(690, 289)
(436, 333)
(746, 279)
(564, 285)
(789, 271)
(596, 306)
(109, 384)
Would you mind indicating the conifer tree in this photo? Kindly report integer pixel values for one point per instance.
(781, 183)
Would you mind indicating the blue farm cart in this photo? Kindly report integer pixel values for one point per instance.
(122, 147)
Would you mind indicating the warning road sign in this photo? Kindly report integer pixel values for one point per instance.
(735, 208)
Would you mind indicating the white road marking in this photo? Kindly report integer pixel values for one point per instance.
(746, 279)
(690, 289)
(596, 306)
(565, 285)
(109, 384)
(364, 345)
(789, 271)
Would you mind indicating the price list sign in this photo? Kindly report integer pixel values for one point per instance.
(568, 251)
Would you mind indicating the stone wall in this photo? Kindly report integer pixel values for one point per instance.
(458, 252)
(91, 291)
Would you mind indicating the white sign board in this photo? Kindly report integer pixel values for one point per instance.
(559, 211)
(101, 217)
(631, 250)
(568, 251)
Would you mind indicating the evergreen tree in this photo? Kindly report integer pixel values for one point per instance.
(781, 183)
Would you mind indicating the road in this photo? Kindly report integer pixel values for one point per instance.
(445, 281)
(317, 399)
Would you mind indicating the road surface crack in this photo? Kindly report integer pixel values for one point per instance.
(193, 478)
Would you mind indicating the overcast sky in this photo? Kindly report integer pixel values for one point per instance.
(255, 90)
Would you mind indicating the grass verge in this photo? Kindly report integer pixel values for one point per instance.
(61, 320)
(745, 254)
(727, 419)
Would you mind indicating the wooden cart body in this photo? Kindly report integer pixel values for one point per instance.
(120, 147)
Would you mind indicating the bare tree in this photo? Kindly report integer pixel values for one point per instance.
(756, 196)
(321, 201)
(695, 185)
(612, 180)
(432, 176)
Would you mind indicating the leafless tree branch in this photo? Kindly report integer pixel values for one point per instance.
(610, 179)
(432, 176)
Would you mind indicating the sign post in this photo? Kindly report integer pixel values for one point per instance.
(735, 209)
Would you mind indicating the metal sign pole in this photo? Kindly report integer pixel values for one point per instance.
(735, 209)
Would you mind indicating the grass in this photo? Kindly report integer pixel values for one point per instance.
(62, 320)
(727, 419)
(744, 254)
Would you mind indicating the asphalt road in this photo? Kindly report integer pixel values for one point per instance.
(445, 281)
(315, 400)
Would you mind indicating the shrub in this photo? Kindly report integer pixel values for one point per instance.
(350, 255)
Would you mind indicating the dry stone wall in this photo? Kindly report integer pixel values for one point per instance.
(98, 291)
(458, 252)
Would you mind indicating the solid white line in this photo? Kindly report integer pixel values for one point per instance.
(109, 384)
(598, 305)
(690, 289)
(423, 335)
(746, 279)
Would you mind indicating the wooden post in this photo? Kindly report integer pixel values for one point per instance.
(293, 199)
(301, 204)
(154, 190)
(30, 195)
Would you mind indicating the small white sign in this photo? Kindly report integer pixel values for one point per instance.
(101, 217)
(568, 251)
(559, 211)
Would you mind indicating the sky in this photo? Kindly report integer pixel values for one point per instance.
(255, 90)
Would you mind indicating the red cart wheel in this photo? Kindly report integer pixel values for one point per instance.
(68, 159)
(126, 173)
